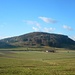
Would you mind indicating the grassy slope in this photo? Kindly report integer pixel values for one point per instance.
(37, 63)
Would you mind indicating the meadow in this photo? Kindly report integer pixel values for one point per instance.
(17, 62)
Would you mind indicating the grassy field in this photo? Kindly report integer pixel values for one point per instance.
(37, 63)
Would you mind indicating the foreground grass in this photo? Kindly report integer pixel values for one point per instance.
(37, 63)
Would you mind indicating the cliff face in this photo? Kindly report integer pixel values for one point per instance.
(41, 39)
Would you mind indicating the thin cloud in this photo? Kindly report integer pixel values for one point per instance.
(49, 29)
(72, 37)
(30, 22)
(33, 23)
(61, 33)
(67, 27)
(35, 29)
(48, 20)
(3, 37)
(38, 25)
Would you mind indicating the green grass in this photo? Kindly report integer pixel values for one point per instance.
(37, 63)
(24, 49)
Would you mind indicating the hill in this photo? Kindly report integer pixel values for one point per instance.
(41, 39)
(5, 45)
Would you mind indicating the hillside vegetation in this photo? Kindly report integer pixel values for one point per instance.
(5, 45)
(39, 39)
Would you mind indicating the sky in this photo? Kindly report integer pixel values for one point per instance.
(18, 17)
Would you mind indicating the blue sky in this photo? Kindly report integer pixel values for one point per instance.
(19, 17)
